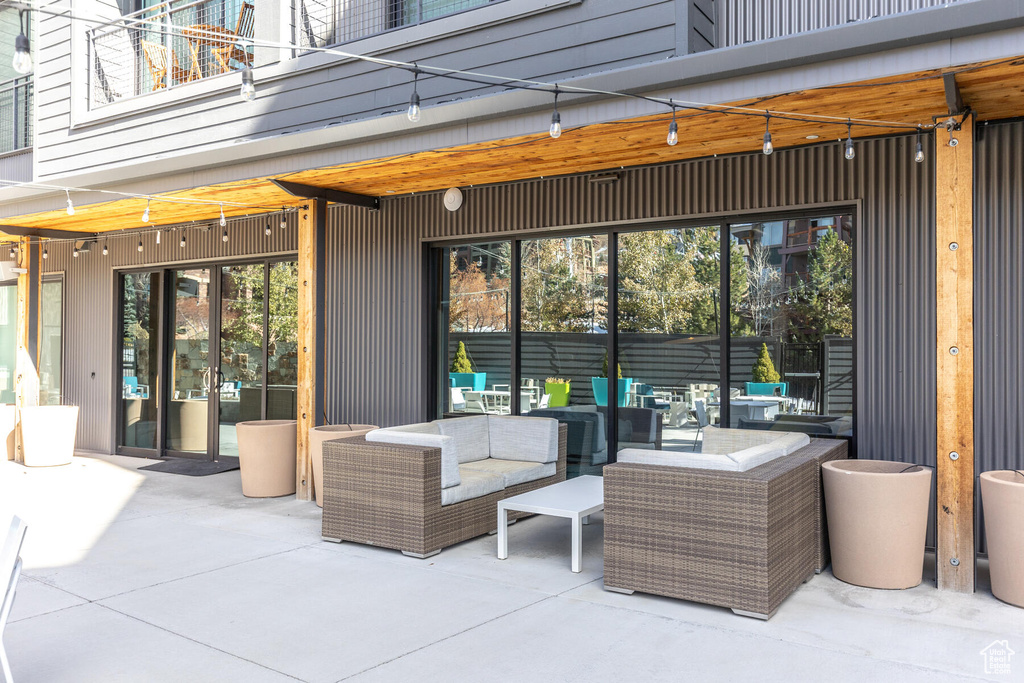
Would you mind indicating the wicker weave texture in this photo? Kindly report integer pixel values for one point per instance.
(822, 450)
(389, 495)
(743, 540)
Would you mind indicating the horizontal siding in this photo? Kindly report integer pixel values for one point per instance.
(593, 36)
(17, 166)
(89, 291)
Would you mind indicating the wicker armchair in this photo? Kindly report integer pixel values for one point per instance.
(742, 540)
(389, 495)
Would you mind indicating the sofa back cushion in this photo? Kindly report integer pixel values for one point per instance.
(448, 446)
(470, 435)
(789, 442)
(531, 439)
(718, 440)
(703, 461)
(750, 458)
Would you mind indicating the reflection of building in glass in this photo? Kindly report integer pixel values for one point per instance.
(791, 241)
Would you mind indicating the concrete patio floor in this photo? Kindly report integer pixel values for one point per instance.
(143, 576)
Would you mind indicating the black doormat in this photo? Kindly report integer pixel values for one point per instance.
(193, 468)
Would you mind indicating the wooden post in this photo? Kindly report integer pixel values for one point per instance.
(26, 373)
(954, 281)
(312, 231)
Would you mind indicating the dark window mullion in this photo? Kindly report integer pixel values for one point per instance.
(515, 329)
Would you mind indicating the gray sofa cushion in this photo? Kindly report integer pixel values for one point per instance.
(448, 446)
(739, 461)
(534, 439)
(471, 435)
(475, 483)
(513, 471)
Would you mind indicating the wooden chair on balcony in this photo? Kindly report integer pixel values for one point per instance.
(156, 60)
(226, 54)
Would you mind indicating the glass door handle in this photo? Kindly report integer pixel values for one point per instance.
(220, 379)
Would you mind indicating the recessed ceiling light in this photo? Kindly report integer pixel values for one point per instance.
(812, 137)
(390, 191)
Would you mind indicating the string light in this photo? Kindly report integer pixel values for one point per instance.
(849, 153)
(105, 250)
(223, 221)
(284, 220)
(140, 245)
(181, 242)
(46, 254)
(919, 152)
(768, 147)
(555, 130)
(145, 214)
(248, 91)
(414, 101)
(22, 61)
(71, 206)
(75, 252)
(12, 253)
(267, 230)
(224, 237)
(673, 129)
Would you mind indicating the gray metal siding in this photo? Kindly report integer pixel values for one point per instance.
(89, 305)
(17, 166)
(593, 36)
(375, 362)
(999, 298)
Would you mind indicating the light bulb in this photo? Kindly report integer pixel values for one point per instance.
(71, 207)
(850, 153)
(46, 254)
(223, 221)
(673, 134)
(556, 125)
(22, 61)
(145, 214)
(224, 237)
(284, 222)
(414, 107)
(181, 242)
(768, 147)
(140, 245)
(266, 230)
(75, 252)
(105, 250)
(919, 155)
(248, 91)
(12, 253)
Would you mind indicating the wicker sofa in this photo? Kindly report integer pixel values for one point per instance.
(420, 488)
(693, 526)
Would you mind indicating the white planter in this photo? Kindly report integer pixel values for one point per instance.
(48, 435)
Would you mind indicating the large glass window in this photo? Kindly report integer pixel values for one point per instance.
(51, 342)
(283, 341)
(8, 340)
(140, 359)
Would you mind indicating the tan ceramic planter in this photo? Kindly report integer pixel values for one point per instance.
(1002, 495)
(877, 520)
(317, 437)
(48, 435)
(266, 456)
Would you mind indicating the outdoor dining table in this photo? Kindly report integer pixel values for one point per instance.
(199, 35)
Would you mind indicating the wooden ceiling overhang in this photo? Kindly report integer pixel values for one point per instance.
(993, 90)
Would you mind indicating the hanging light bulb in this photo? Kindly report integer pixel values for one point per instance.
(224, 237)
(223, 221)
(75, 252)
(414, 101)
(140, 245)
(71, 206)
(673, 129)
(248, 91)
(284, 221)
(768, 147)
(919, 152)
(181, 242)
(556, 120)
(105, 250)
(22, 61)
(267, 230)
(849, 153)
(145, 214)
(46, 254)
(12, 253)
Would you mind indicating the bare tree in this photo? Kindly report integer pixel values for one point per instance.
(765, 292)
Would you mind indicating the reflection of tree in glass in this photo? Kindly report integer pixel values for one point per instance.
(476, 303)
(765, 292)
(825, 298)
(562, 285)
(243, 304)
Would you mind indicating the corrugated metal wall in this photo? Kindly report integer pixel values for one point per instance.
(89, 296)
(999, 298)
(375, 347)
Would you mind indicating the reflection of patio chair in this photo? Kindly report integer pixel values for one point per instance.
(702, 419)
(456, 400)
(156, 60)
(230, 389)
(474, 402)
(243, 29)
(132, 388)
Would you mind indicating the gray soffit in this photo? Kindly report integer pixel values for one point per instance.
(926, 39)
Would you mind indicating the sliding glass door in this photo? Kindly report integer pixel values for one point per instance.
(202, 349)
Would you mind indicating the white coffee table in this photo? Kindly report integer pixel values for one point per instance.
(575, 498)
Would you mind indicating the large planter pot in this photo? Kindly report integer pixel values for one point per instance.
(266, 456)
(48, 435)
(317, 437)
(474, 381)
(877, 519)
(558, 394)
(1002, 495)
(8, 422)
(600, 387)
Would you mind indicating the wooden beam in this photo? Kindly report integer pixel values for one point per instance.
(26, 373)
(954, 100)
(312, 232)
(954, 280)
(327, 194)
(42, 232)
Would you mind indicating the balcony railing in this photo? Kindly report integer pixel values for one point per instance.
(328, 22)
(16, 114)
(166, 45)
(748, 21)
